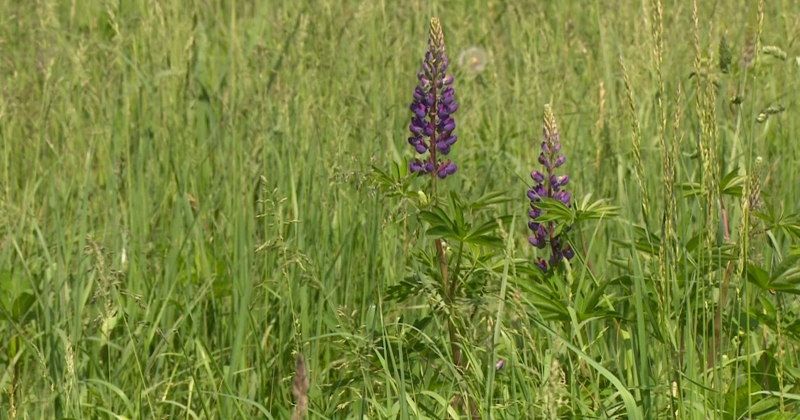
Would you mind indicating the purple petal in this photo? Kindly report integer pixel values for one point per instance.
(563, 180)
(560, 160)
(421, 148)
(568, 252)
(447, 95)
(416, 126)
(542, 232)
(418, 94)
(564, 197)
(419, 110)
(430, 99)
(429, 167)
(542, 264)
(451, 169)
(443, 112)
(554, 181)
(448, 140)
(448, 126)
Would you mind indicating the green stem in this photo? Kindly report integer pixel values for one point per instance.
(454, 283)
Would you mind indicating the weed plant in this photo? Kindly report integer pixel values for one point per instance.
(229, 210)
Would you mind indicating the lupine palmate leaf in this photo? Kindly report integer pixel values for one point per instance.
(554, 210)
(458, 213)
(595, 210)
(758, 276)
(589, 304)
(486, 240)
(482, 235)
(442, 232)
(437, 217)
(396, 184)
(489, 199)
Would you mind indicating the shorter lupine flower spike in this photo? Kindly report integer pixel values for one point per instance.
(433, 105)
(549, 184)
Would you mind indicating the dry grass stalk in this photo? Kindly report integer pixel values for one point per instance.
(300, 388)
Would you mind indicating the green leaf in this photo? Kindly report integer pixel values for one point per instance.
(596, 210)
(441, 232)
(758, 276)
(769, 307)
(590, 303)
(794, 251)
(435, 218)
(544, 301)
(489, 199)
(486, 240)
(23, 308)
(483, 229)
(786, 269)
(444, 216)
(458, 212)
(633, 411)
(738, 400)
(551, 206)
(731, 183)
(691, 189)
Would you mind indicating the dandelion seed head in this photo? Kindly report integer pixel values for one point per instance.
(473, 59)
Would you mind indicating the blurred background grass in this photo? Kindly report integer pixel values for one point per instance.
(186, 197)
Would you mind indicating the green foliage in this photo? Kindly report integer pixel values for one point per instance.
(192, 193)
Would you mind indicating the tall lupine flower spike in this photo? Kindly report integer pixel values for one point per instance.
(548, 184)
(431, 123)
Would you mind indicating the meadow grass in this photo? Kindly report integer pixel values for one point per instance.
(188, 203)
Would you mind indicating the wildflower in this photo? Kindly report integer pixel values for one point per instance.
(550, 185)
(432, 124)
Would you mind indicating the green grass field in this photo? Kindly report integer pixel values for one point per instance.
(189, 201)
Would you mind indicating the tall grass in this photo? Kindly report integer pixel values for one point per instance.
(188, 206)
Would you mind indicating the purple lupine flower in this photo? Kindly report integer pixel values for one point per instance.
(432, 123)
(548, 184)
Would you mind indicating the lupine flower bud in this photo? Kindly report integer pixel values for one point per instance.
(548, 184)
(542, 264)
(432, 123)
